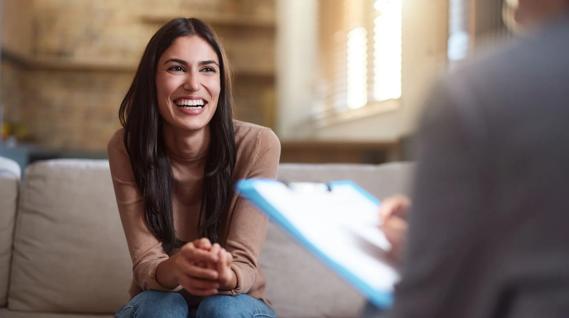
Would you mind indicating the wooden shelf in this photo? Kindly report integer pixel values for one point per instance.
(57, 64)
(245, 72)
(216, 21)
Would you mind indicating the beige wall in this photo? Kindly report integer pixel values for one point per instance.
(17, 25)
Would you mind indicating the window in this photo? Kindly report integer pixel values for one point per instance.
(356, 68)
(387, 50)
(362, 64)
(459, 39)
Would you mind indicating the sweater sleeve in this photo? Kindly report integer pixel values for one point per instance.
(248, 227)
(145, 250)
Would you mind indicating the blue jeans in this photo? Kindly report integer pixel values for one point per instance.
(156, 304)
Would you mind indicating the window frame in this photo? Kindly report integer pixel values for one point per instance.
(332, 88)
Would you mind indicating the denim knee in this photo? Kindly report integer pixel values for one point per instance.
(238, 306)
(155, 304)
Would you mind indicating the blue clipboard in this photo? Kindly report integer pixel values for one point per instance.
(337, 222)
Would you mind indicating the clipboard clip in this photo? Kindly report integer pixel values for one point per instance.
(308, 186)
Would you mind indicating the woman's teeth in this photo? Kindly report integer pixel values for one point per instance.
(190, 103)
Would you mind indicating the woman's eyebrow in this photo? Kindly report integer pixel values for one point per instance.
(179, 61)
(208, 62)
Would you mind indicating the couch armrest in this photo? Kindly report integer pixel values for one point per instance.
(9, 183)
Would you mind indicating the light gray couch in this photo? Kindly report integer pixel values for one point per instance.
(63, 253)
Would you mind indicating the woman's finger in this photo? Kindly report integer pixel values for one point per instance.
(195, 287)
(215, 249)
(202, 272)
(187, 267)
(222, 262)
(228, 258)
(203, 243)
(198, 255)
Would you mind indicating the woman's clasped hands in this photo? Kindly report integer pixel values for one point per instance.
(203, 269)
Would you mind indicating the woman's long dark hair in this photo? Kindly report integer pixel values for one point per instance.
(143, 139)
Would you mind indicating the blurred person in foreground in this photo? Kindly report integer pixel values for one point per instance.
(488, 227)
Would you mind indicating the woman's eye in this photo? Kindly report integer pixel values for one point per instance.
(209, 69)
(176, 68)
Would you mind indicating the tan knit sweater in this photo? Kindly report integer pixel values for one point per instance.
(258, 152)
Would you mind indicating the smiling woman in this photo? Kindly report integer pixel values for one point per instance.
(194, 245)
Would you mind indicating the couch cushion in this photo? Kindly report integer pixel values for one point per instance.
(9, 179)
(70, 254)
(4, 313)
(298, 284)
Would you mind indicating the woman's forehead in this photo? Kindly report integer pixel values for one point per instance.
(190, 48)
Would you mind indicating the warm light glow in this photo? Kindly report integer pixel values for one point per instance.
(387, 50)
(458, 40)
(357, 68)
(385, 5)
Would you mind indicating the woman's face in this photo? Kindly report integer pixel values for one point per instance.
(188, 84)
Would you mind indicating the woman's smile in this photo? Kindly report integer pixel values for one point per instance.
(190, 106)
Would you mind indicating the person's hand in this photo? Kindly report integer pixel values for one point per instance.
(194, 268)
(393, 215)
(226, 279)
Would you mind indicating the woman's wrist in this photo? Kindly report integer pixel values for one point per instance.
(231, 282)
(165, 274)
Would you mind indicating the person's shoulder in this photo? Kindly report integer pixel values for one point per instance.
(116, 139)
(116, 143)
(506, 71)
(487, 61)
(250, 134)
(247, 128)
(119, 161)
(518, 58)
(258, 148)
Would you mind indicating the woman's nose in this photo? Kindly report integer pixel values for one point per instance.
(192, 82)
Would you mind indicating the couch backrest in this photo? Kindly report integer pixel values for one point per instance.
(70, 253)
(380, 180)
(311, 289)
(9, 180)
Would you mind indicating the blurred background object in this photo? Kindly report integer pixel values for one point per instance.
(338, 80)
